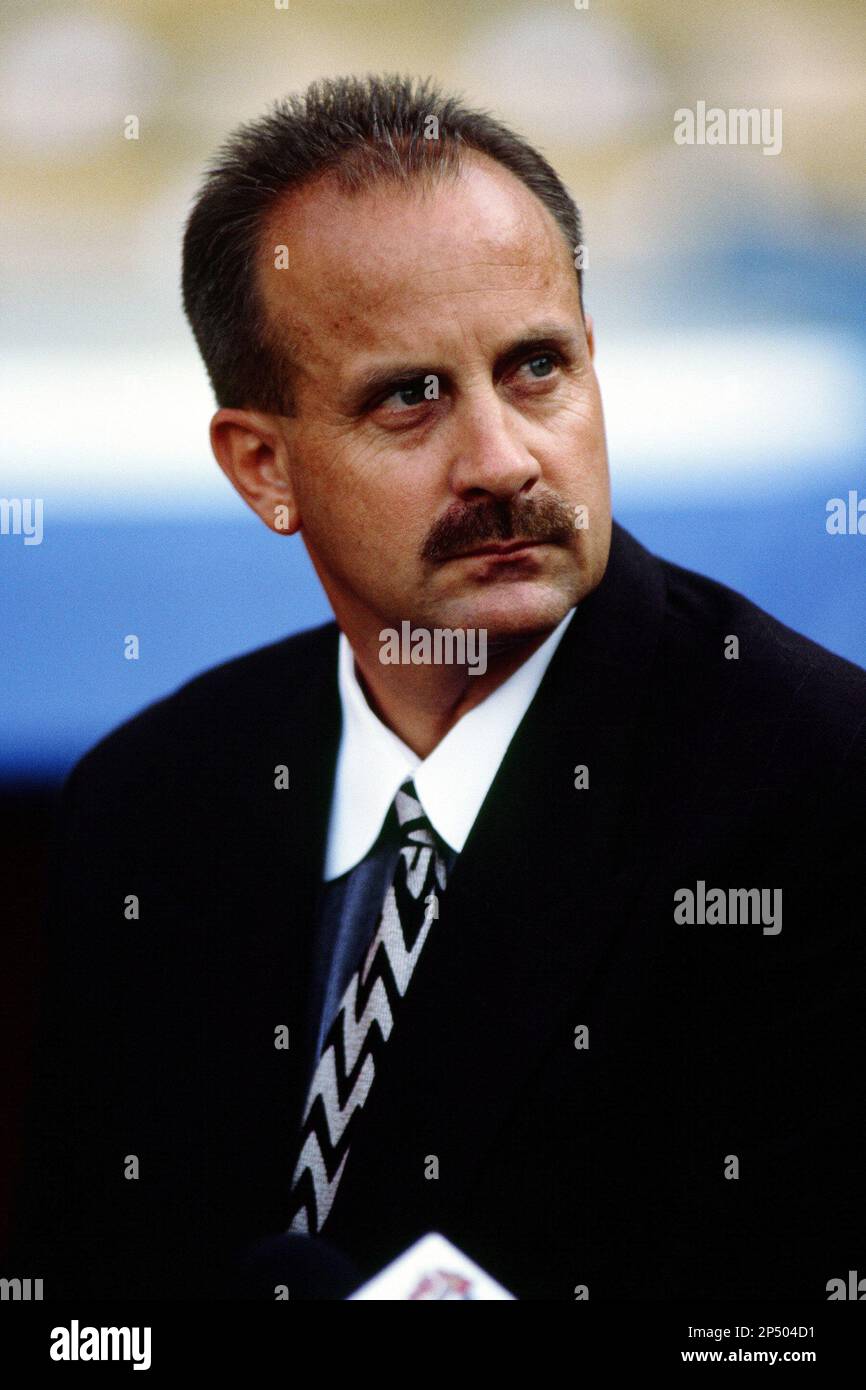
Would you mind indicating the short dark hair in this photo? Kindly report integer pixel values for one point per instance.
(361, 130)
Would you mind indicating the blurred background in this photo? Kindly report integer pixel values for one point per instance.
(727, 288)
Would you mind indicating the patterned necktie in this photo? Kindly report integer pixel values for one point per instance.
(366, 1016)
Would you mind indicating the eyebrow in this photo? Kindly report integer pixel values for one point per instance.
(377, 380)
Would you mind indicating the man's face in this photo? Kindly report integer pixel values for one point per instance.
(446, 405)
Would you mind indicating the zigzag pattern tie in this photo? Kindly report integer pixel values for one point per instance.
(365, 1019)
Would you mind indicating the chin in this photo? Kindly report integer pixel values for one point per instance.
(510, 612)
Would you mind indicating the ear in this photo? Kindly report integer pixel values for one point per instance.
(251, 450)
(590, 336)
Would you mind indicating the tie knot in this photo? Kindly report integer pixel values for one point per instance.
(415, 829)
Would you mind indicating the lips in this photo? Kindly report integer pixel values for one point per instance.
(498, 548)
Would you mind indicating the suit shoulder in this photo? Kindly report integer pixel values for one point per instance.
(206, 709)
(779, 673)
(704, 604)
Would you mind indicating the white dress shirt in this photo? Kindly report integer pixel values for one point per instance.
(451, 782)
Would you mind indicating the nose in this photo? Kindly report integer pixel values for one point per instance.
(490, 456)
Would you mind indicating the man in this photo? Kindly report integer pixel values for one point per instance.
(554, 946)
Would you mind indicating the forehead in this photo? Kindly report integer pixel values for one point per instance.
(386, 267)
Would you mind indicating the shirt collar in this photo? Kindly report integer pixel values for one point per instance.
(451, 782)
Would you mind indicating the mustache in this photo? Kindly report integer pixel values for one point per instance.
(465, 526)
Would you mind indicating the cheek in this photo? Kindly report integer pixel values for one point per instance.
(400, 516)
(396, 494)
(576, 444)
(583, 414)
(331, 482)
(355, 503)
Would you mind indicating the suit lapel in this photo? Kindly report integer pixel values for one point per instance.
(537, 901)
(265, 849)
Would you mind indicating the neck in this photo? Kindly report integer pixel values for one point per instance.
(420, 704)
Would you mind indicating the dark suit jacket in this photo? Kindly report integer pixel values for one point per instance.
(559, 1166)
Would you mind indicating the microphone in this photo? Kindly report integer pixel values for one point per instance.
(432, 1271)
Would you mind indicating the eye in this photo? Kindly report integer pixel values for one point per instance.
(406, 395)
(542, 364)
